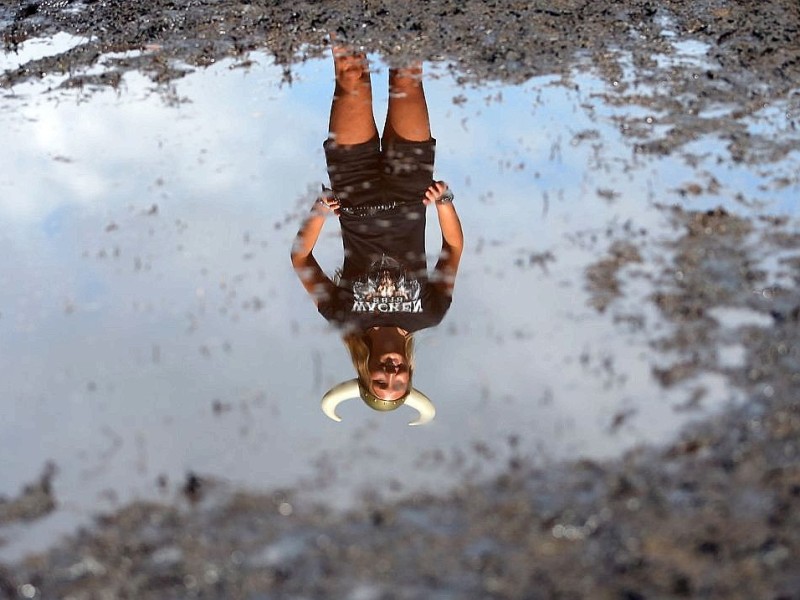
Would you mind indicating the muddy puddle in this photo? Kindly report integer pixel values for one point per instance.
(626, 298)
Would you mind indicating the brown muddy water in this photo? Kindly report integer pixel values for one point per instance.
(615, 383)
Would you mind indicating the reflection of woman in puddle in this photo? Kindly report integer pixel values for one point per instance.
(380, 190)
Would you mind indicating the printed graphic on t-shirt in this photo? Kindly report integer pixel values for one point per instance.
(386, 288)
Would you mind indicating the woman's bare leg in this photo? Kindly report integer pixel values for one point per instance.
(407, 117)
(352, 121)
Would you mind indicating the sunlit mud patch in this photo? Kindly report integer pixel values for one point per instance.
(721, 299)
(682, 95)
(158, 328)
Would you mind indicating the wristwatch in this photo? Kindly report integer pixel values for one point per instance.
(446, 198)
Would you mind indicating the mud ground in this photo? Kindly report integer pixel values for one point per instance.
(714, 515)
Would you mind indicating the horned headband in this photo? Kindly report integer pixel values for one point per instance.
(353, 389)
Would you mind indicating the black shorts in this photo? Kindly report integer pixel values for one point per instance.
(375, 172)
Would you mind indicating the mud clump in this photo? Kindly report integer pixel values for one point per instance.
(33, 502)
(602, 277)
(715, 266)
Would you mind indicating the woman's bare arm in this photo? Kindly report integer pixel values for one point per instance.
(311, 275)
(452, 237)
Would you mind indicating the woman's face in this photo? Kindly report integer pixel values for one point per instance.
(389, 376)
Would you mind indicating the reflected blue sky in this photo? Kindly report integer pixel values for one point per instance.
(145, 276)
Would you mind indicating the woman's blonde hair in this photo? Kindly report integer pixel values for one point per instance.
(358, 346)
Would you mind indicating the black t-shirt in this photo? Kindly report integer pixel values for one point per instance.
(384, 279)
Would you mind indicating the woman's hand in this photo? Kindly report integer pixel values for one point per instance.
(436, 193)
(327, 202)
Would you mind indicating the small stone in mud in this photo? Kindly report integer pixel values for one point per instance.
(219, 407)
(193, 488)
(602, 277)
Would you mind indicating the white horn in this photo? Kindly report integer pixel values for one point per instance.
(422, 404)
(338, 394)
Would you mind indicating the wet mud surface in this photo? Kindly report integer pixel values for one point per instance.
(715, 514)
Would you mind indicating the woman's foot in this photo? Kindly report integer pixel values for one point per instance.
(352, 68)
(407, 117)
(403, 78)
